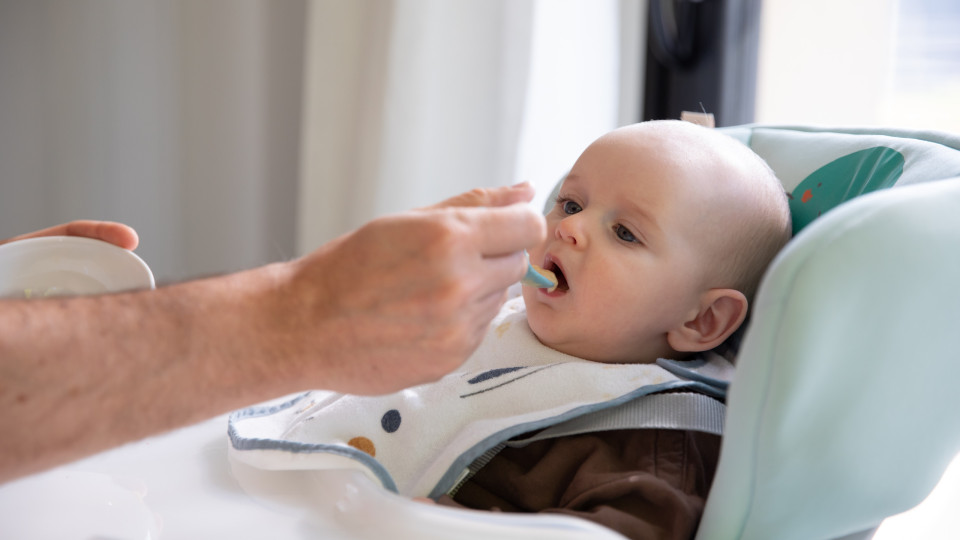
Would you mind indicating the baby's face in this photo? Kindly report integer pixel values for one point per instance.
(626, 240)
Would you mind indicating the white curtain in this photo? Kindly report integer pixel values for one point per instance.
(410, 101)
(180, 118)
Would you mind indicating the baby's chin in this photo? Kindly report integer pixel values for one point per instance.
(589, 350)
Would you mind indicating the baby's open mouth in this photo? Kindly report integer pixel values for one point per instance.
(561, 279)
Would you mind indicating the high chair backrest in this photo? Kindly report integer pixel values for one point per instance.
(843, 408)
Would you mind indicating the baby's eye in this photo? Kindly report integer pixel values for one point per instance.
(624, 234)
(570, 207)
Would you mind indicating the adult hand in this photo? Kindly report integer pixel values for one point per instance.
(117, 234)
(502, 196)
(398, 302)
(407, 298)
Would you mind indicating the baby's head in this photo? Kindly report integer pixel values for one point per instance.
(659, 236)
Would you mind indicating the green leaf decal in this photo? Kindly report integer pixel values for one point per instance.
(843, 179)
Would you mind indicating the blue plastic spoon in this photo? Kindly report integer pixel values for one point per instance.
(538, 277)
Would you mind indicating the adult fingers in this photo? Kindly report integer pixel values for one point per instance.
(499, 196)
(484, 309)
(109, 231)
(115, 233)
(500, 272)
(57, 230)
(503, 230)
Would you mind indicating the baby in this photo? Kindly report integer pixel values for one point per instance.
(659, 237)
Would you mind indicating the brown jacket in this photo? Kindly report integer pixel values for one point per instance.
(645, 484)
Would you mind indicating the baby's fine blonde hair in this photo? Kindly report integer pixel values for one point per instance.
(750, 213)
(762, 226)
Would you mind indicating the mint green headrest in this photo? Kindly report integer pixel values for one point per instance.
(822, 167)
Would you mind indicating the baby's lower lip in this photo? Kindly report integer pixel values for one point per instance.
(554, 293)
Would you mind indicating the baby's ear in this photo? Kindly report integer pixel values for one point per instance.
(722, 311)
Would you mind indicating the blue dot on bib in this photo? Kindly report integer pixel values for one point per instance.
(390, 421)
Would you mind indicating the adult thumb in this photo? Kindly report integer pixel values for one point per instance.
(497, 196)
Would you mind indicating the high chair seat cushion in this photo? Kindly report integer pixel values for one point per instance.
(843, 409)
(823, 167)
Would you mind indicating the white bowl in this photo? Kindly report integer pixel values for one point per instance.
(69, 265)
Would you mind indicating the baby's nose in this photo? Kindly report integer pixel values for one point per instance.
(571, 229)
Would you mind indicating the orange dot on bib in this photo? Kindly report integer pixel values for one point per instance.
(807, 195)
(364, 445)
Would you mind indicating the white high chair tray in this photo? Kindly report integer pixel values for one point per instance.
(172, 486)
(181, 486)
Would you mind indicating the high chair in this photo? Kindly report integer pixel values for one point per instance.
(842, 411)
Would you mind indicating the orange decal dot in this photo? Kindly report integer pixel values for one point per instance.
(364, 445)
(806, 196)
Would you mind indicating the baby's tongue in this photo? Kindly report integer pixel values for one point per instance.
(562, 284)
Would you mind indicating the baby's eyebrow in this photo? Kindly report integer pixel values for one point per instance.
(571, 177)
(633, 208)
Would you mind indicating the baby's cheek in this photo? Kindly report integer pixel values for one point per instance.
(536, 318)
(550, 327)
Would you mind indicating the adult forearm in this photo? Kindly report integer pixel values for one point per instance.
(399, 302)
(84, 374)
